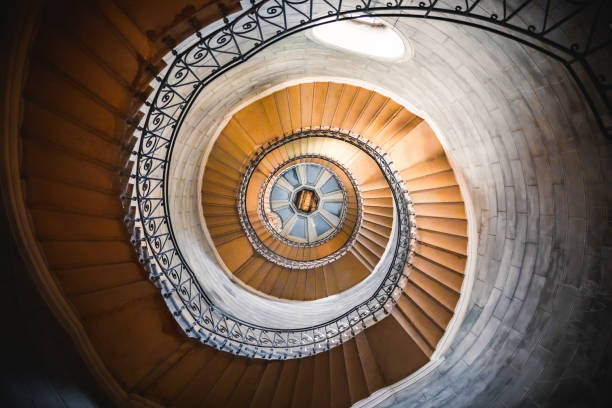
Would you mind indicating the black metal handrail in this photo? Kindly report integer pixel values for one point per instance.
(264, 24)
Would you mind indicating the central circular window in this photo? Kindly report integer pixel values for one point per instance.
(306, 204)
(306, 200)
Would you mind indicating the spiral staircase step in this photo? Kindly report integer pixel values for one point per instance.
(436, 180)
(357, 386)
(424, 325)
(375, 237)
(381, 211)
(436, 311)
(380, 220)
(266, 386)
(451, 260)
(247, 385)
(445, 241)
(443, 275)
(303, 389)
(437, 195)
(286, 382)
(412, 331)
(443, 294)
(225, 384)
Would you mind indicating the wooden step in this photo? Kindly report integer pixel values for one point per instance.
(420, 144)
(321, 388)
(339, 388)
(383, 192)
(86, 253)
(366, 254)
(203, 382)
(178, 377)
(437, 312)
(412, 331)
(218, 199)
(347, 271)
(441, 210)
(357, 386)
(381, 241)
(445, 241)
(302, 391)
(426, 327)
(40, 162)
(369, 366)
(382, 211)
(448, 259)
(450, 194)
(280, 283)
(366, 264)
(51, 225)
(222, 391)
(378, 202)
(441, 293)
(285, 384)
(445, 225)
(405, 123)
(77, 281)
(426, 168)
(249, 268)
(437, 180)
(443, 275)
(260, 275)
(397, 354)
(373, 247)
(289, 288)
(50, 194)
(380, 230)
(246, 387)
(267, 385)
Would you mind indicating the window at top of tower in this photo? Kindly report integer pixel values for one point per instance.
(368, 36)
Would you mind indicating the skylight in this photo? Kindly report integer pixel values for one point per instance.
(367, 36)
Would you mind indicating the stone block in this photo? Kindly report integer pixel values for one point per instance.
(531, 301)
(562, 305)
(512, 280)
(533, 214)
(504, 265)
(544, 179)
(575, 251)
(519, 186)
(527, 270)
(487, 311)
(561, 217)
(519, 242)
(545, 247)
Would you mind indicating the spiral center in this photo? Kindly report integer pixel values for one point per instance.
(306, 200)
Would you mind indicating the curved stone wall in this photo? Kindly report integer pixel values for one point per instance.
(517, 130)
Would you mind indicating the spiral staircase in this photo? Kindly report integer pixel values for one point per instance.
(318, 210)
(438, 206)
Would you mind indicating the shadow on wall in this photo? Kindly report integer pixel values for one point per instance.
(577, 393)
(39, 366)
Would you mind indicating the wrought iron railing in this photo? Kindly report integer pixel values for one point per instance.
(543, 28)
